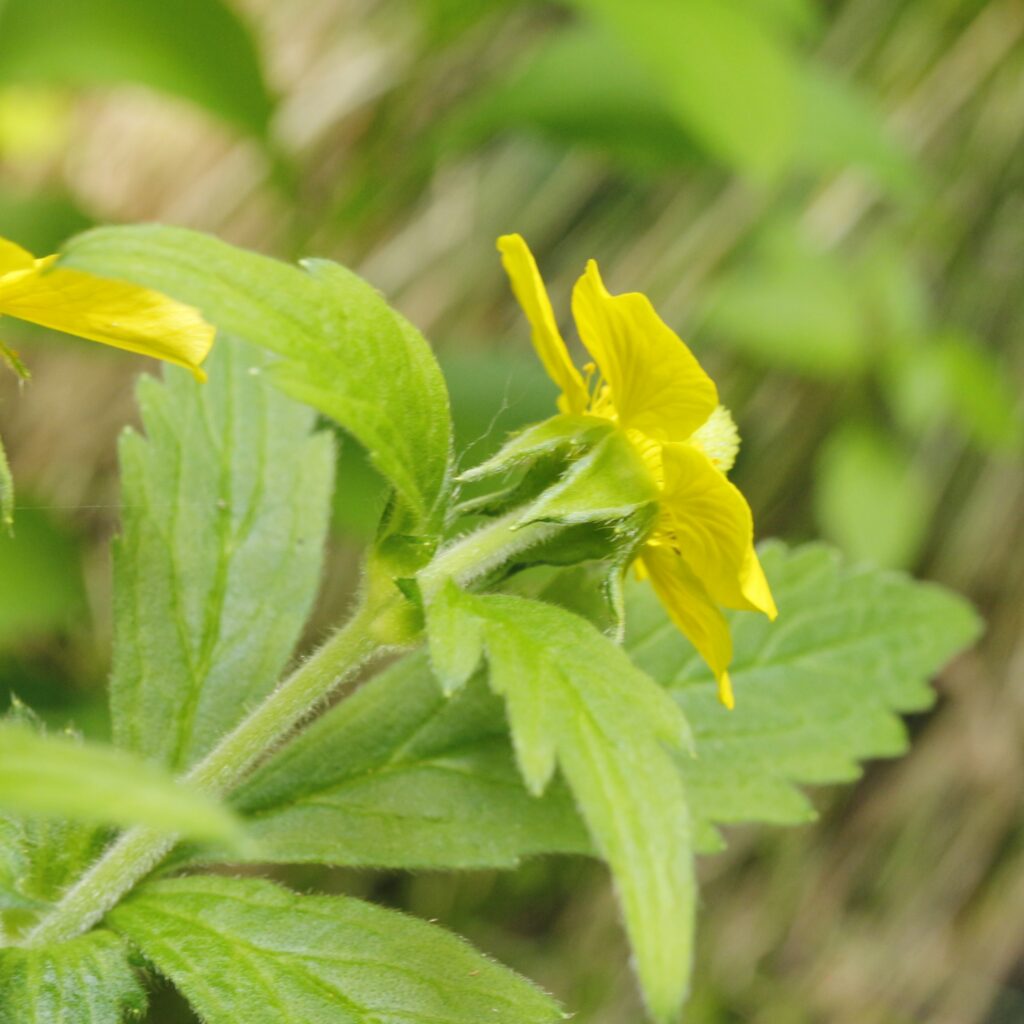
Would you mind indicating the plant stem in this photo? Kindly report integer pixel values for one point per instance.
(139, 850)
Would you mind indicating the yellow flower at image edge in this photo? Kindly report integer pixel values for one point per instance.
(700, 555)
(115, 313)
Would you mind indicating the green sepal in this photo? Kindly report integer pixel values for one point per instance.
(560, 434)
(608, 482)
(524, 484)
(584, 473)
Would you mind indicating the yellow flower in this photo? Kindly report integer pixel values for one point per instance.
(700, 555)
(112, 312)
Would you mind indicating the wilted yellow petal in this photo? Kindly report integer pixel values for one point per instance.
(528, 286)
(708, 521)
(112, 312)
(657, 385)
(691, 608)
(13, 257)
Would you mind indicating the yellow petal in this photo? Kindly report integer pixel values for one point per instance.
(112, 312)
(13, 257)
(528, 286)
(708, 522)
(657, 385)
(691, 608)
(755, 587)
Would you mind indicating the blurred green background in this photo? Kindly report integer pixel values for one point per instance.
(825, 198)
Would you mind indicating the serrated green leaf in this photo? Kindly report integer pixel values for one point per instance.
(400, 776)
(88, 980)
(816, 693)
(55, 776)
(226, 505)
(246, 950)
(39, 857)
(344, 350)
(196, 49)
(575, 700)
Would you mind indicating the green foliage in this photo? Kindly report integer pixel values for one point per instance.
(585, 85)
(842, 128)
(871, 499)
(726, 75)
(86, 980)
(198, 50)
(402, 776)
(39, 858)
(345, 351)
(791, 305)
(816, 692)
(526, 731)
(225, 510)
(576, 701)
(609, 482)
(246, 950)
(556, 92)
(62, 777)
(39, 221)
(953, 377)
(40, 577)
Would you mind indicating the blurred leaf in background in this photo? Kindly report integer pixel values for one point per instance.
(693, 52)
(871, 499)
(198, 50)
(792, 306)
(954, 377)
(41, 588)
(556, 91)
(39, 221)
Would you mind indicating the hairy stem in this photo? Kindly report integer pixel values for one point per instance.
(139, 850)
